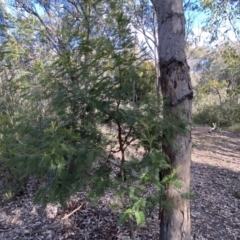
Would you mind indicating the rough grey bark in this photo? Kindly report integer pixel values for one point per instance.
(177, 94)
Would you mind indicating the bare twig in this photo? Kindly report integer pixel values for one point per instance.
(71, 213)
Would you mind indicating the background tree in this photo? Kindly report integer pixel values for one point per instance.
(217, 88)
(222, 20)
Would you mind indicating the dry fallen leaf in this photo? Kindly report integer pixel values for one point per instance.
(215, 209)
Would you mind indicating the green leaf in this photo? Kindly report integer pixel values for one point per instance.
(188, 195)
(140, 217)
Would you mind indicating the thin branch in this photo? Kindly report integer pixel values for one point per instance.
(71, 213)
(234, 29)
(132, 140)
(126, 137)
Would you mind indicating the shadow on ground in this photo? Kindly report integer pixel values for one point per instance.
(215, 209)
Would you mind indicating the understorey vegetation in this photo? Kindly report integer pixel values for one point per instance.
(217, 89)
(76, 94)
(96, 101)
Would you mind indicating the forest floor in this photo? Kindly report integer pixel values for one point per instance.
(215, 209)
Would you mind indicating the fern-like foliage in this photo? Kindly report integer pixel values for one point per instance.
(77, 96)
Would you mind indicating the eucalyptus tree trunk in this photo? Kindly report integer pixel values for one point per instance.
(177, 94)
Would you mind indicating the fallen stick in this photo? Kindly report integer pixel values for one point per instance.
(71, 213)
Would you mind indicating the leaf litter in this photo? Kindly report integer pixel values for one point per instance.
(215, 208)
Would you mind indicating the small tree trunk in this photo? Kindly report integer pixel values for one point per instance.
(219, 97)
(175, 222)
(177, 94)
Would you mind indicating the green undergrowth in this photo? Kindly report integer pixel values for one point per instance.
(226, 116)
(235, 128)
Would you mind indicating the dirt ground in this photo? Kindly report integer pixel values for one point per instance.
(216, 183)
(215, 209)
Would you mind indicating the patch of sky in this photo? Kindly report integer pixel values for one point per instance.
(224, 24)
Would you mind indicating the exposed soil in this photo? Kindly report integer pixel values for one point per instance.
(215, 209)
(216, 184)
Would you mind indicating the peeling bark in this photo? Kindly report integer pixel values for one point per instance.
(175, 81)
(177, 92)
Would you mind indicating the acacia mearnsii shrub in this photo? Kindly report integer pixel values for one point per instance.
(77, 101)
